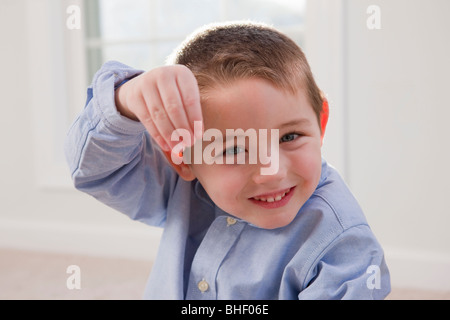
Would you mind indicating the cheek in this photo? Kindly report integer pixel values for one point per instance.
(307, 163)
(222, 183)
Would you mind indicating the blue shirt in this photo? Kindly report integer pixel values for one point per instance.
(327, 252)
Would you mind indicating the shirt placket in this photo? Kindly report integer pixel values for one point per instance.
(218, 241)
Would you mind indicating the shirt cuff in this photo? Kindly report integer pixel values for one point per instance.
(111, 75)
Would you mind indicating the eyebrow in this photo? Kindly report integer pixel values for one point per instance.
(292, 123)
(296, 122)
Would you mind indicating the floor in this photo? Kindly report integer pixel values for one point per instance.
(35, 275)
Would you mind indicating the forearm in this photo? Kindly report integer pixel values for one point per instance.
(101, 130)
(96, 150)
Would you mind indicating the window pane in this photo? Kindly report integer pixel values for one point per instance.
(280, 13)
(138, 56)
(181, 17)
(121, 19)
(94, 59)
(142, 33)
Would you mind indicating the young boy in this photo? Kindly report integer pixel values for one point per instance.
(230, 231)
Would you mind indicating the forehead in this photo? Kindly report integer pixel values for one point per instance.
(253, 103)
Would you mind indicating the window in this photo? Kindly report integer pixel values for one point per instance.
(142, 33)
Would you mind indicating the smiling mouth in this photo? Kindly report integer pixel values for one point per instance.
(273, 197)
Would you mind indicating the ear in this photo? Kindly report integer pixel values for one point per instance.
(183, 170)
(324, 118)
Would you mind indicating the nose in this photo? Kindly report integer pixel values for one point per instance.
(269, 176)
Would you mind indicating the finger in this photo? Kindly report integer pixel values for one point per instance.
(143, 114)
(158, 114)
(190, 96)
(173, 106)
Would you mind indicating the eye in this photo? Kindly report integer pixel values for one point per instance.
(233, 151)
(289, 137)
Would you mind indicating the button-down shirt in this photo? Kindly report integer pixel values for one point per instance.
(327, 252)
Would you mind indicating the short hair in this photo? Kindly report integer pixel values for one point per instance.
(218, 54)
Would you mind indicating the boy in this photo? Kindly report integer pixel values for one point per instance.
(230, 231)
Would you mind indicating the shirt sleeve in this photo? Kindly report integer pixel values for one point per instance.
(352, 267)
(113, 158)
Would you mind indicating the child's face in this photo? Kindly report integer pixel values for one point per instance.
(236, 188)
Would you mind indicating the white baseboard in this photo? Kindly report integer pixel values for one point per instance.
(132, 241)
(418, 269)
(409, 269)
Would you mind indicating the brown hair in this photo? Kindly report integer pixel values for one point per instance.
(219, 54)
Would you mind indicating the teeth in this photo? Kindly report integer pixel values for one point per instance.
(271, 199)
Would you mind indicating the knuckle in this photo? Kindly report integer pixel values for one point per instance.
(190, 101)
(146, 120)
(181, 68)
(158, 114)
(158, 137)
(163, 73)
(145, 80)
(173, 108)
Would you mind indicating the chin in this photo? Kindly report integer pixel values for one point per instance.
(279, 218)
(273, 223)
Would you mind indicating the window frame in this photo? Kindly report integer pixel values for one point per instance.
(295, 31)
(57, 82)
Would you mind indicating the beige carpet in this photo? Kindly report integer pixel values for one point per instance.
(36, 275)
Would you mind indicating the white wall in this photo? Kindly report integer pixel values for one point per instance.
(394, 111)
(388, 129)
(398, 107)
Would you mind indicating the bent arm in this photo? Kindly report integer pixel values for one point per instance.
(113, 158)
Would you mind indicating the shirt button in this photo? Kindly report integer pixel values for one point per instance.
(230, 221)
(203, 286)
